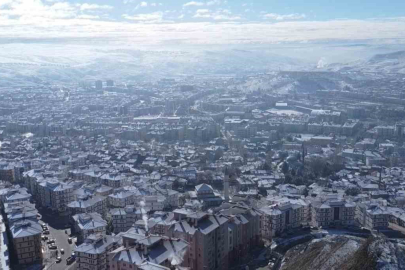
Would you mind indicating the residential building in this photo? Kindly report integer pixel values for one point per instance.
(120, 199)
(55, 194)
(328, 213)
(26, 239)
(151, 249)
(87, 224)
(124, 218)
(92, 254)
(205, 194)
(89, 204)
(207, 235)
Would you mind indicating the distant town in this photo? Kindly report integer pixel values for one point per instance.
(199, 173)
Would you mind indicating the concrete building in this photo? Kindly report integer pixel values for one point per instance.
(87, 224)
(93, 253)
(333, 213)
(124, 218)
(55, 195)
(282, 216)
(26, 239)
(372, 215)
(99, 84)
(89, 204)
(205, 194)
(120, 199)
(207, 235)
(154, 250)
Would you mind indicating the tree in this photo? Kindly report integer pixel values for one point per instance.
(110, 227)
(285, 167)
(353, 191)
(316, 165)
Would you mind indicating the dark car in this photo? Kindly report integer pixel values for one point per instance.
(69, 260)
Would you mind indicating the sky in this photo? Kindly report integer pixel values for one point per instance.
(202, 21)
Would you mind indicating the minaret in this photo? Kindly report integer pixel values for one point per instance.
(226, 185)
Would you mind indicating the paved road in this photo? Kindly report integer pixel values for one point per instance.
(57, 232)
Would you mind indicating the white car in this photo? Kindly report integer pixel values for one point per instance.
(58, 259)
(62, 251)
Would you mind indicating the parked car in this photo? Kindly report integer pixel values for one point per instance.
(52, 247)
(45, 232)
(70, 240)
(51, 241)
(69, 260)
(58, 259)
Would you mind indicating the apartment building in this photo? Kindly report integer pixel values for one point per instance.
(121, 198)
(372, 215)
(89, 204)
(243, 229)
(26, 240)
(333, 213)
(173, 198)
(205, 194)
(14, 194)
(154, 250)
(20, 211)
(112, 180)
(207, 235)
(282, 216)
(87, 224)
(124, 218)
(155, 203)
(93, 253)
(55, 194)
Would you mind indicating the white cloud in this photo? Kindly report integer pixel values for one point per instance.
(146, 17)
(24, 19)
(5, 2)
(143, 4)
(181, 16)
(218, 15)
(202, 10)
(287, 17)
(86, 6)
(193, 3)
(90, 17)
(216, 2)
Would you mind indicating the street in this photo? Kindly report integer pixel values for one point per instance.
(57, 232)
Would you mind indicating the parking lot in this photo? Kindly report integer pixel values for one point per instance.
(57, 232)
